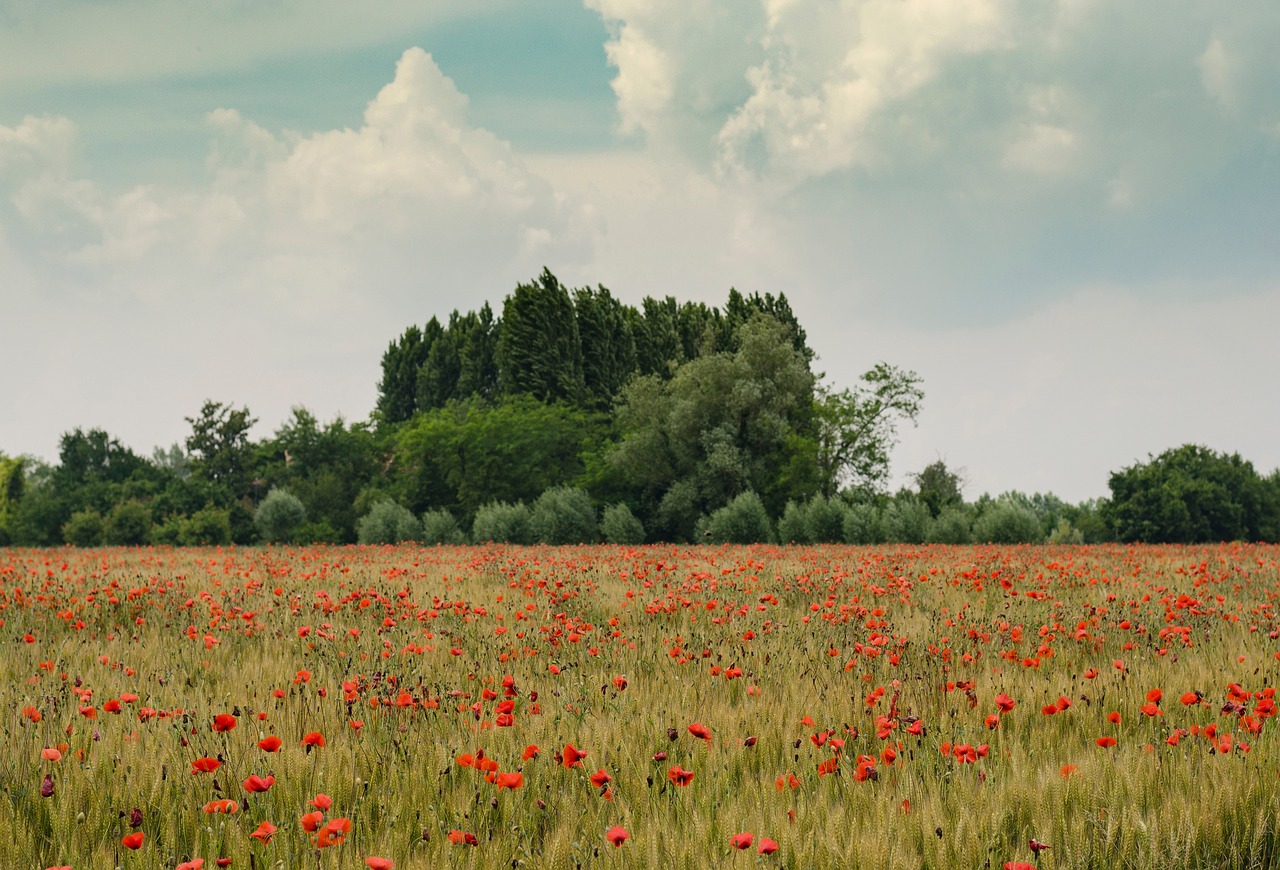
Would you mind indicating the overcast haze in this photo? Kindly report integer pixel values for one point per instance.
(1064, 215)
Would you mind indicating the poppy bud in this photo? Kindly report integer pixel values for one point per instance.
(46, 787)
(672, 734)
(135, 818)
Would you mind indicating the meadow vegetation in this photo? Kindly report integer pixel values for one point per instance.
(495, 706)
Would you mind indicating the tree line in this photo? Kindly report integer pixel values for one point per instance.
(573, 417)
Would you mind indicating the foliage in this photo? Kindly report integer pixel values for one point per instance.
(84, 528)
(563, 515)
(501, 522)
(906, 520)
(441, 527)
(280, 516)
(863, 524)
(1005, 521)
(743, 520)
(718, 428)
(207, 526)
(12, 484)
(539, 348)
(939, 487)
(387, 523)
(1191, 493)
(858, 427)
(470, 453)
(618, 525)
(325, 466)
(220, 449)
(128, 524)
(952, 526)
(819, 520)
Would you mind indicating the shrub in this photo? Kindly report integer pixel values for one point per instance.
(619, 525)
(1008, 523)
(793, 526)
(563, 515)
(862, 524)
(169, 532)
(742, 521)
(129, 524)
(951, 526)
(440, 527)
(1065, 533)
(83, 529)
(387, 523)
(318, 532)
(906, 521)
(206, 527)
(503, 523)
(824, 520)
(279, 516)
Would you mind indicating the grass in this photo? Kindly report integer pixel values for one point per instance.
(781, 644)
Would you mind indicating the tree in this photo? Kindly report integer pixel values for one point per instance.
(722, 425)
(1191, 494)
(858, 427)
(128, 524)
(471, 452)
(608, 347)
(12, 481)
(539, 350)
(403, 359)
(939, 487)
(219, 447)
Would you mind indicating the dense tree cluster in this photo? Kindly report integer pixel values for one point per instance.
(575, 417)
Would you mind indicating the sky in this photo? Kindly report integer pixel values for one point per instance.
(1063, 215)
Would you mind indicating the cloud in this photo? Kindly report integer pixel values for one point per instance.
(1217, 74)
(416, 183)
(282, 275)
(129, 40)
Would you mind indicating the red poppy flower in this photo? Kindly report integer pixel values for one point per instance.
(530, 751)
(255, 783)
(599, 778)
(270, 744)
(680, 777)
(572, 756)
(313, 738)
(1106, 742)
(460, 837)
(223, 722)
(741, 841)
(379, 863)
(205, 765)
(617, 835)
(509, 780)
(767, 846)
(1004, 703)
(322, 802)
(263, 832)
(702, 732)
(132, 841)
(311, 821)
(222, 806)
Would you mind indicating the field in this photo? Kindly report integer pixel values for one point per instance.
(663, 706)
